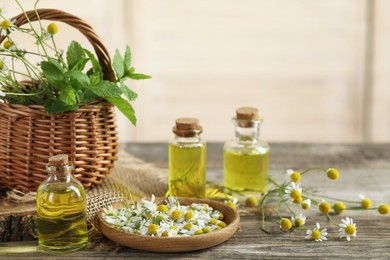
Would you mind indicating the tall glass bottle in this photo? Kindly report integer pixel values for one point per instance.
(246, 158)
(187, 160)
(61, 209)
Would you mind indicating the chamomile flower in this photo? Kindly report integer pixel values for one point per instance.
(332, 173)
(10, 45)
(365, 202)
(347, 228)
(306, 204)
(251, 201)
(293, 175)
(285, 224)
(232, 203)
(299, 220)
(292, 192)
(171, 220)
(6, 26)
(384, 209)
(339, 207)
(316, 234)
(324, 207)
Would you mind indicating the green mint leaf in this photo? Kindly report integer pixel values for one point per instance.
(78, 80)
(106, 89)
(95, 63)
(138, 76)
(125, 107)
(68, 95)
(53, 73)
(118, 64)
(86, 96)
(131, 95)
(127, 58)
(74, 54)
(55, 106)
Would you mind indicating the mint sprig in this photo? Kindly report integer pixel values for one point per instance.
(72, 85)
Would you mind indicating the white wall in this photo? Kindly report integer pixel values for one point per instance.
(317, 70)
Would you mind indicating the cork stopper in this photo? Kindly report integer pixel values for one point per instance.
(247, 113)
(59, 160)
(187, 126)
(187, 123)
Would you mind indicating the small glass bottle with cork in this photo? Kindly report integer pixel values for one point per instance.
(61, 209)
(187, 160)
(246, 158)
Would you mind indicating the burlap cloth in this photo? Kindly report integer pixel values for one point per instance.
(131, 177)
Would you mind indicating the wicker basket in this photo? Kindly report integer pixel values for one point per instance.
(28, 136)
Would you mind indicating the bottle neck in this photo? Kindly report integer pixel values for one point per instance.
(247, 131)
(188, 139)
(60, 173)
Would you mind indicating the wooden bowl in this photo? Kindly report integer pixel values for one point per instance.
(176, 244)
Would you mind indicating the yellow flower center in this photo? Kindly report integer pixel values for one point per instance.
(206, 230)
(295, 176)
(222, 224)
(251, 201)
(384, 209)
(213, 221)
(188, 226)
(1, 64)
(198, 232)
(152, 229)
(295, 194)
(366, 203)
(176, 214)
(350, 229)
(305, 205)
(339, 207)
(298, 222)
(221, 216)
(162, 208)
(165, 234)
(285, 224)
(298, 200)
(324, 207)
(5, 24)
(231, 204)
(52, 28)
(188, 215)
(316, 234)
(8, 44)
(332, 174)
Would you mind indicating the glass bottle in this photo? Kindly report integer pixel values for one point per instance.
(61, 209)
(246, 158)
(187, 160)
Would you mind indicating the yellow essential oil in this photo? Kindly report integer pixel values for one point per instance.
(246, 172)
(187, 160)
(61, 210)
(187, 171)
(246, 158)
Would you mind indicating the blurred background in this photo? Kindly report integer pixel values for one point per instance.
(317, 70)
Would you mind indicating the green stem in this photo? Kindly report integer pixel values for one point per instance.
(262, 203)
(273, 182)
(312, 169)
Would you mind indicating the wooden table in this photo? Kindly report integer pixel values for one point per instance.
(364, 169)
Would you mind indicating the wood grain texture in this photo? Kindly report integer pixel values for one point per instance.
(363, 169)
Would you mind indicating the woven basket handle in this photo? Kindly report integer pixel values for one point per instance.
(79, 24)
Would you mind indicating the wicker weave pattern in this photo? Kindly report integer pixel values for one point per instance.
(28, 136)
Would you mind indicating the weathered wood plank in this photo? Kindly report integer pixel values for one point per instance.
(363, 169)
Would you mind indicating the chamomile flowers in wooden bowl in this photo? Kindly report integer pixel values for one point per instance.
(169, 224)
